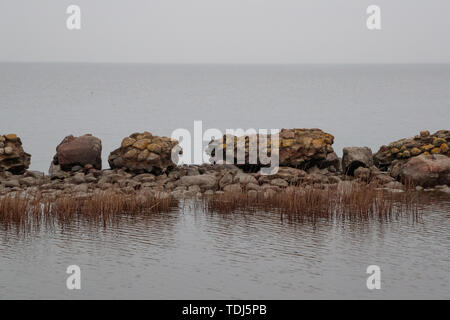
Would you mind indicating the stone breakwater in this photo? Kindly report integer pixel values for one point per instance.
(297, 148)
(143, 164)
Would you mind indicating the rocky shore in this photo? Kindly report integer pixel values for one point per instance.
(142, 164)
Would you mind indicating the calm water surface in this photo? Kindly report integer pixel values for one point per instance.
(361, 105)
(191, 254)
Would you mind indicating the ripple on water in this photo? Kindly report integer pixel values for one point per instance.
(258, 255)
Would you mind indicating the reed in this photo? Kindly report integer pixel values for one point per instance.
(26, 212)
(358, 202)
(299, 203)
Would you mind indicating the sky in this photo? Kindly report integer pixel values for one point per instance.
(225, 31)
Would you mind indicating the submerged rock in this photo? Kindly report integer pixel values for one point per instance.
(79, 152)
(12, 156)
(145, 153)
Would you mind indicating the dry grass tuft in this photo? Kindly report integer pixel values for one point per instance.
(30, 212)
(300, 203)
(359, 202)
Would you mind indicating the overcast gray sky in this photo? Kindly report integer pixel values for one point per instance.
(226, 31)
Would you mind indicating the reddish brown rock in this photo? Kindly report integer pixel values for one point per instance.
(12, 156)
(79, 151)
(426, 171)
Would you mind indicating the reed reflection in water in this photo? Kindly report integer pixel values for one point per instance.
(191, 251)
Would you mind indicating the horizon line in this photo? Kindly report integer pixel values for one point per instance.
(226, 63)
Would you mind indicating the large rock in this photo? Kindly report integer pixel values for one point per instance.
(426, 170)
(12, 156)
(404, 149)
(355, 157)
(143, 152)
(330, 161)
(79, 151)
(298, 148)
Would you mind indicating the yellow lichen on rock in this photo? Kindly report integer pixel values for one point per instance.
(427, 147)
(318, 143)
(424, 143)
(11, 137)
(153, 147)
(143, 152)
(12, 156)
(287, 142)
(141, 144)
(415, 151)
(126, 142)
(435, 150)
(295, 147)
(438, 141)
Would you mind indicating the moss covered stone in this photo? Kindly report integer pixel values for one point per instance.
(12, 156)
(128, 142)
(424, 143)
(435, 150)
(416, 151)
(144, 152)
(299, 148)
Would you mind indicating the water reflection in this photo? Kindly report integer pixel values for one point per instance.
(188, 253)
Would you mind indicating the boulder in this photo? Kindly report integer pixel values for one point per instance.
(355, 157)
(226, 179)
(28, 181)
(79, 152)
(297, 148)
(204, 181)
(13, 183)
(56, 172)
(233, 188)
(145, 153)
(426, 171)
(12, 156)
(395, 185)
(279, 183)
(362, 173)
(330, 161)
(290, 175)
(244, 178)
(304, 148)
(404, 149)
